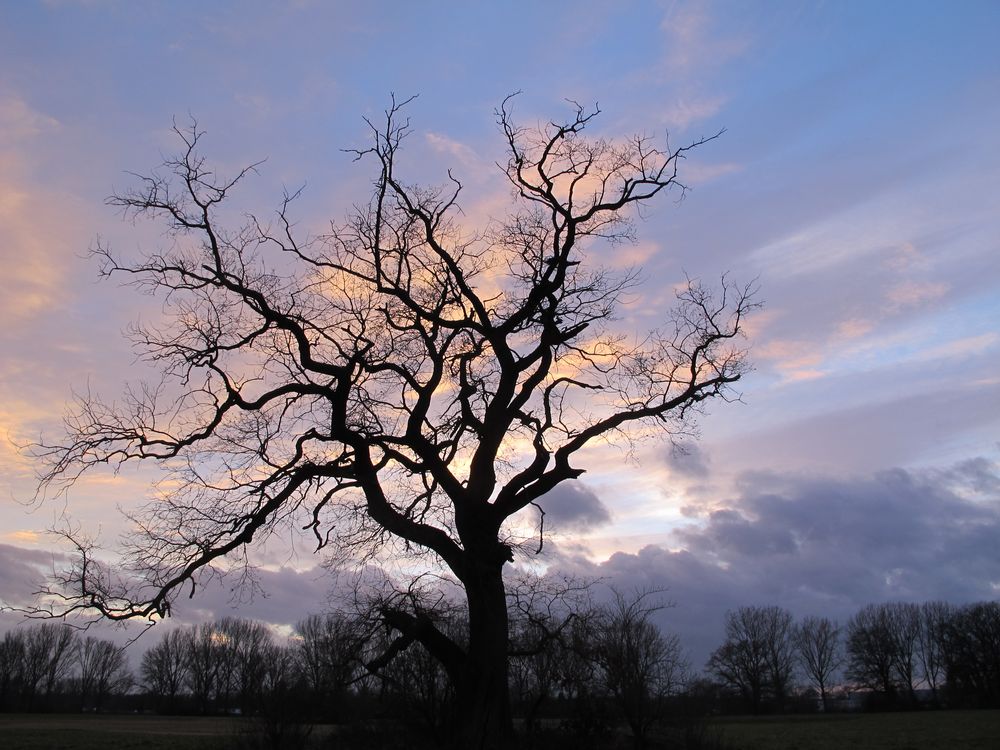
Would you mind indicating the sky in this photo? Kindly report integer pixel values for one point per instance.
(858, 180)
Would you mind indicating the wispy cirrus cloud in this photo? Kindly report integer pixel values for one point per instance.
(18, 121)
(33, 221)
(695, 41)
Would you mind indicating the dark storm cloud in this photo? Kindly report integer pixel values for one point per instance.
(822, 546)
(904, 534)
(572, 506)
(278, 597)
(22, 571)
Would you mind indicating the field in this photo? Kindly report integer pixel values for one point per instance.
(955, 730)
(125, 732)
(928, 730)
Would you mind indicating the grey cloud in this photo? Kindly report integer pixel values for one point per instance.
(897, 534)
(282, 597)
(572, 506)
(279, 597)
(22, 571)
(821, 546)
(862, 439)
(688, 460)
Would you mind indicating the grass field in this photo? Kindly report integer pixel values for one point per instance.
(931, 730)
(927, 730)
(126, 732)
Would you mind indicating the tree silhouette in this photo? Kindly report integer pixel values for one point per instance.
(882, 643)
(758, 655)
(642, 667)
(403, 384)
(818, 640)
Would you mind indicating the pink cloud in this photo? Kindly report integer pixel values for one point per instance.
(912, 293)
(853, 328)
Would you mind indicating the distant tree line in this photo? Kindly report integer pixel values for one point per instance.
(50, 666)
(589, 667)
(899, 654)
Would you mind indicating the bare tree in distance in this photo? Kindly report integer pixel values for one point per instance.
(972, 654)
(102, 671)
(164, 668)
(49, 649)
(882, 647)
(934, 619)
(403, 384)
(204, 664)
(757, 657)
(550, 653)
(906, 626)
(642, 667)
(820, 652)
(329, 652)
(11, 665)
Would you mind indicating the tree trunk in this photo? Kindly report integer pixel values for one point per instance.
(483, 718)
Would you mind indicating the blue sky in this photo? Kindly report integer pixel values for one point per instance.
(858, 179)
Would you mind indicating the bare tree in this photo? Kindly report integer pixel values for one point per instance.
(758, 655)
(820, 652)
(934, 619)
(578, 675)
(164, 668)
(11, 666)
(905, 624)
(48, 659)
(882, 643)
(328, 651)
(205, 661)
(871, 649)
(642, 667)
(972, 651)
(402, 384)
(544, 644)
(244, 643)
(103, 671)
(413, 682)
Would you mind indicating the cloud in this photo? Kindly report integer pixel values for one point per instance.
(853, 328)
(18, 121)
(23, 536)
(688, 460)
(910, 535)
(699, 173)
(913, 293)
(630, 256)
(36, 222)
(694, 43)
(793, 360)
(281, 597)
(32, 280)
(888, 429)
(960, 348)
(819, 545)
(572, 506)
(685, 111)
(22, 570)
(457, 150)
